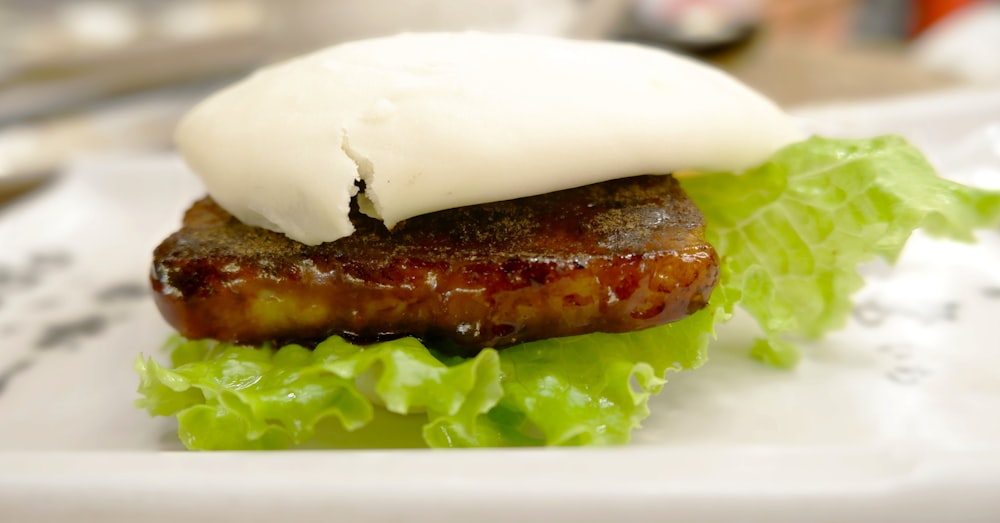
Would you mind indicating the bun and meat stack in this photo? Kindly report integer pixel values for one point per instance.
(573, 204)
(500, 197)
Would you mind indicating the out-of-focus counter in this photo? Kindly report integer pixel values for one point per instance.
(796, 76)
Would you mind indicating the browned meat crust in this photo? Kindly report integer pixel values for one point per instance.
(614, 257)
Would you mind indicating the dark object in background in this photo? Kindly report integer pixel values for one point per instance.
(700, 27)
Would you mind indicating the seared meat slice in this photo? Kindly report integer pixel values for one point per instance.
(614, 257)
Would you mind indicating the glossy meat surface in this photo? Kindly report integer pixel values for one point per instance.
(613, 257)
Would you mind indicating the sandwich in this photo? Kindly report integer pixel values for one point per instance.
(504, 240)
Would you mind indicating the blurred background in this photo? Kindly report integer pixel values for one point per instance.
(96, 77)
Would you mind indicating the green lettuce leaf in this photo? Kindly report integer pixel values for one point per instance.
(569, 391)
(793, 232)
(790, 234)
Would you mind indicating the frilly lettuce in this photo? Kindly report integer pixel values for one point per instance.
(567, 391)
(790, 234)
(793, 231)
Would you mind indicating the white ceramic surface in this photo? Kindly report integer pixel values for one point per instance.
(896, 417)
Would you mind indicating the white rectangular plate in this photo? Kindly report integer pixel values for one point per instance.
(897, 416)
